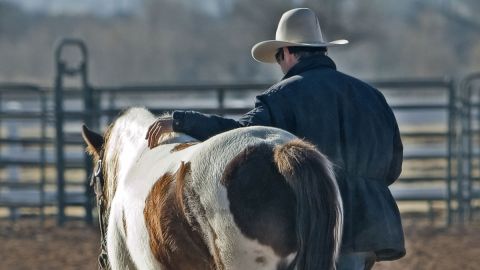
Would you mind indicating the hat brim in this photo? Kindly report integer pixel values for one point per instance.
(265, 51)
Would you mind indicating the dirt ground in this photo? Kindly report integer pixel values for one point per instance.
(26, 245)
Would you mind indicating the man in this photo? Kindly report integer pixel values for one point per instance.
(347, 119)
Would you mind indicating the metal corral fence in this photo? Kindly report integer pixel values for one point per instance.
(23, 140)
(469, 143)
(425, 110)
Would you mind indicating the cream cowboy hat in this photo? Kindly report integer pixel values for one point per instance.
(297, 27)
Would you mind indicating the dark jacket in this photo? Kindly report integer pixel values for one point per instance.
(350, 122)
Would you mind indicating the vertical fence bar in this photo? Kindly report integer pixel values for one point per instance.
(460, 140)
(451, 110)
(1, 129)
(90, 119)
(468, 130)
(221, 100)
(111, 105)
(464, 151)
(1, 121)
(43, 163)
(59, 140)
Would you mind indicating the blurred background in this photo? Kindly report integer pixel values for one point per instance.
(423, 55)
(172, 41)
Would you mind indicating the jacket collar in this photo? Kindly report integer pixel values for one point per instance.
(311, 62)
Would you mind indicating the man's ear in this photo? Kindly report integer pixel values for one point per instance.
(94, 141)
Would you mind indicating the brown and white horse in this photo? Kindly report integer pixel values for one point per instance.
(250, 198)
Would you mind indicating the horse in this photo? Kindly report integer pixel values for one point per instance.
(250, 198)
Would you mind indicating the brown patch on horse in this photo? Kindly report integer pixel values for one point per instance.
(175, 242)
(292, 150)
(261, 201)
(156, 203)
(181, 146)
(180, 184)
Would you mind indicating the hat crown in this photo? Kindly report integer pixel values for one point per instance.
(299, 25)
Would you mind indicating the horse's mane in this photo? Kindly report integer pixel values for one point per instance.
(124, 131)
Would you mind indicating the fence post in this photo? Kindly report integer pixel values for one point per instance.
(90, 119)
(59, 142)
(64, 70)
(43, 154)
(221, 99)
(451, 126)
(466, 88)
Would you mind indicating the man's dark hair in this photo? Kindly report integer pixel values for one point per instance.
(300, 51)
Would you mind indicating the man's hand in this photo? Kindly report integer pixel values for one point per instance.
(160, 126)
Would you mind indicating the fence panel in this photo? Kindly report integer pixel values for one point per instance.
(469, 173)
(23, 146)
(425, 110)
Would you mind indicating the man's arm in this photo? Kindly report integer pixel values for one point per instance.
(203, 126)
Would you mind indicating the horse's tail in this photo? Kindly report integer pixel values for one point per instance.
(319, 212)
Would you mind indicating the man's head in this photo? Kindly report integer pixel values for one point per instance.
(287, 57)
(297, 28)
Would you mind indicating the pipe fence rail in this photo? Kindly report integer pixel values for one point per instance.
(438, 119)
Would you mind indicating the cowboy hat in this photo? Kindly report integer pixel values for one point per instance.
(297, 27)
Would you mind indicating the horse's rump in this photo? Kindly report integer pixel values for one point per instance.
(285, 196)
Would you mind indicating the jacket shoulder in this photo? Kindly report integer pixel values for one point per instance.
(281, 89)
(357, 83)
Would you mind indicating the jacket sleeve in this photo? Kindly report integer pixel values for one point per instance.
(203, 126)
(397, 159)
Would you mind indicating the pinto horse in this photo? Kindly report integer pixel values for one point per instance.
(250, 198)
